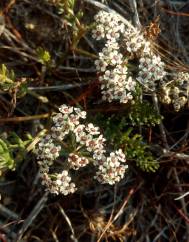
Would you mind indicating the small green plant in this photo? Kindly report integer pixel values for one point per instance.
(72, 18)
(44, 56)
(143, 113)
(119, 134)
(138, 151)
(6, 157)
(12, 151)
(7, 78)
(66, 6)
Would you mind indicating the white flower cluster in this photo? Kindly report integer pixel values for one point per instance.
(66, 121)
(115, 85)
(59, 183)
(76, 161)
(151, 69)
(176, 91)
(135, 42)
(116, 80)
(113, 168)
(47, 149)
(108, 25)
(88, 146)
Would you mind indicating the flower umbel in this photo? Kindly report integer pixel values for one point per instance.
(124, 43)
(71, 145)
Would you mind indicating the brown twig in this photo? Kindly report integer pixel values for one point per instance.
(24, 119)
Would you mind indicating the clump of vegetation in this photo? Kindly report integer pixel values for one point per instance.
(13, 151)
(89, 91)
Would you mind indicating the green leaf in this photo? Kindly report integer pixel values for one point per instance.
(6, 159)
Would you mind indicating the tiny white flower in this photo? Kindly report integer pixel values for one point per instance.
(65, 109)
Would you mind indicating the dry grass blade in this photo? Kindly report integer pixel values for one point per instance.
(73, 236)
(32, 216)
